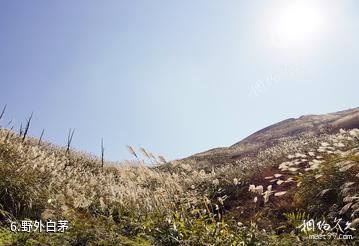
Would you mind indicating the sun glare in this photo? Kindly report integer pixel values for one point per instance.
(297, 23)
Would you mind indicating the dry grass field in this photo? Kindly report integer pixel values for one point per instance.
(260, 200)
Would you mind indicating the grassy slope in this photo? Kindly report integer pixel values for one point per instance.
(168, 205)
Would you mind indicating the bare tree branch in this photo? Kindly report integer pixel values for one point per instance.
(3, 111)
(27, 127)
(69, 140)
(42, 134)
(102, 153)
(20, 130)
(9, 123)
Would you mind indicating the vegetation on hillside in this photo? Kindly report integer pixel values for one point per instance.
(262, 200)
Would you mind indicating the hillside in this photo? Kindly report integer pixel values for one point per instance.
(257, 191)
(309, 125)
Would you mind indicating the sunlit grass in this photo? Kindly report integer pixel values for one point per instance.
(132, 203)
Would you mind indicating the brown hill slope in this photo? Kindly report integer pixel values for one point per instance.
(312, 125)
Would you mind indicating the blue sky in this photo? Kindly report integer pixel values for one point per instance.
(176, 77)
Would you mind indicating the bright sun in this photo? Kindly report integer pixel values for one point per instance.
(298, 22)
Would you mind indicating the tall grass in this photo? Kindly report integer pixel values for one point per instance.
(174, 203)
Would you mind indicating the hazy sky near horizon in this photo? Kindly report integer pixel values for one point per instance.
(175, 77)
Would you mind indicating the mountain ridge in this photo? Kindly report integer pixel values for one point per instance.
(313, 125)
